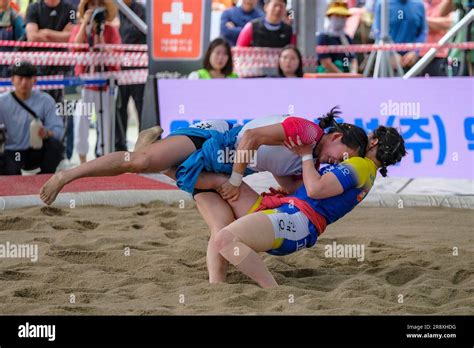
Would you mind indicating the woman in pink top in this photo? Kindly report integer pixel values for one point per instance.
(438, 26)
(93, 96)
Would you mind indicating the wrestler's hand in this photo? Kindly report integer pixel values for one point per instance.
(299, 148)
(229, 192)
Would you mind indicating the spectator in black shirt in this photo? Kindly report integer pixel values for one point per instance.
(336, 62)
(269, 31)
(50, 21)
(74, 3)
(130, 35)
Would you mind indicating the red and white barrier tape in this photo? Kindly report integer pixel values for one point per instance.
(129, 59)
(123, 77)
(264, 51)
(249, 50)
(123, 47)
(28, 44)
(72, 46)
(249, 61)
(391, 47)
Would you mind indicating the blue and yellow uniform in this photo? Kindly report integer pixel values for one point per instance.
(294, 231)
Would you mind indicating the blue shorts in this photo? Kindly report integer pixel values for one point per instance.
(293, 230)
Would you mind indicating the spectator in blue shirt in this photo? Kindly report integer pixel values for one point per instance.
(12, 28)
(407, 25)
(17, 121)
(234, 19)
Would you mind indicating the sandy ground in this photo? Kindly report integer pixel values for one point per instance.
(409, 266)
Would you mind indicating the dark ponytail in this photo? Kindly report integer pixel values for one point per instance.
(352, 136)
(329, 120)
(390, 148)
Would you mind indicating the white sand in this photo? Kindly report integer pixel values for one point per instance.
(408, 252)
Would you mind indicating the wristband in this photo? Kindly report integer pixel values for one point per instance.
(307, 158)
(236, 179)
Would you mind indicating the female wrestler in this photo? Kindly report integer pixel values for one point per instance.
(284, 225)
(195, 144)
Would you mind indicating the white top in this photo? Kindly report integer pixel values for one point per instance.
(276, 159)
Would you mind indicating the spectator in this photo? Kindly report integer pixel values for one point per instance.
(20, 7)
(234, 19)
(290, 62)
(12, 27)
(221, 5)
(73, 3)
(337, 13)
(130, 35)
(50, 21)
(217, 62)
(17, 119)
(96, 96)
(407, 24)
(466, 35)
(438, 26)
(269, 31)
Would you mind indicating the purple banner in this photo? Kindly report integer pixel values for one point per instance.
(435, 115)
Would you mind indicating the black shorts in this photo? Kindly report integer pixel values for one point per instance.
(198, 191)
(197, 141)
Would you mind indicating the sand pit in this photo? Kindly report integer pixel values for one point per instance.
(83, 252)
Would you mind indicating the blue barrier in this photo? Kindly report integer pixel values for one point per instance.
(67, 82)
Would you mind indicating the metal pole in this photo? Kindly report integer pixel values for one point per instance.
(321, 7)
(384, 35)
(306, 26)
(370, 63)
(428, 57)
(377, 64)
(396, 56)
(132, 16)
(113, 111)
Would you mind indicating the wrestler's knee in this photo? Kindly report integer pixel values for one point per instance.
(138, 162)
(223, 238)
(231, 247)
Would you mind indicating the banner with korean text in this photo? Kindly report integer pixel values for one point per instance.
(435, 115)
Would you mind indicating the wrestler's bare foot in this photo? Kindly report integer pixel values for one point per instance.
(51, 188)
(147, 137)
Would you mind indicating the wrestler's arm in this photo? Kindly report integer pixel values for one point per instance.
(251, 140)
(317, 186)
(320, 186)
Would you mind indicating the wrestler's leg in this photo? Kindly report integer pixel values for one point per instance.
(151, 159)
(240, 242)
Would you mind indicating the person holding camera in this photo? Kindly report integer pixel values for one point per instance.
(95, 28)
(29, 122)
